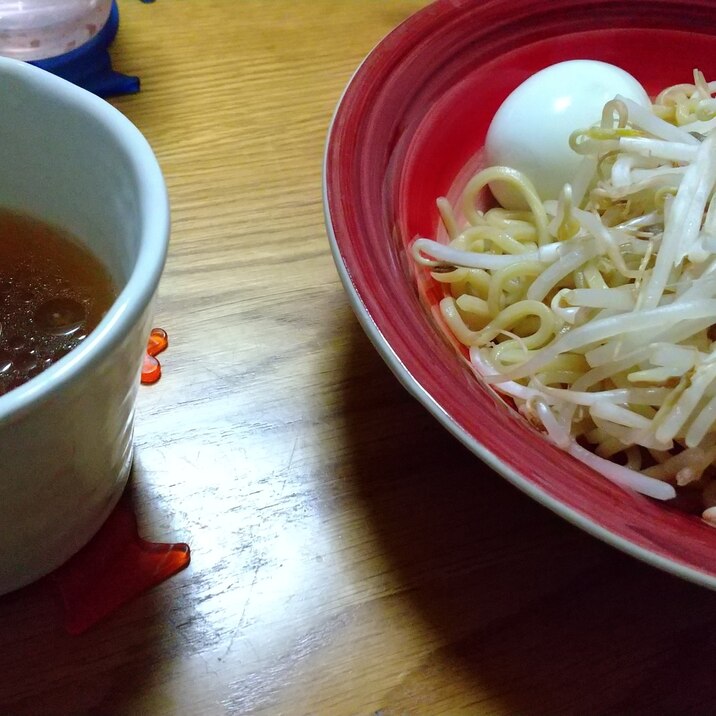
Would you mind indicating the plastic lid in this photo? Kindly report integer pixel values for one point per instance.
(90, 65)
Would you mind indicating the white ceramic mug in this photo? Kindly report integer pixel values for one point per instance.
(71, 159)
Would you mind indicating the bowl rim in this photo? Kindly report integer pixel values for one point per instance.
(411, 384)
(137, 293)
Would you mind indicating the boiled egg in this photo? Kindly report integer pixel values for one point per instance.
(531, 129)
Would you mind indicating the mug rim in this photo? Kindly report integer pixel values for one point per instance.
(143, 280)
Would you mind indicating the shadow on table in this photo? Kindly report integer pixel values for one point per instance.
(535, 616)
(44, 670)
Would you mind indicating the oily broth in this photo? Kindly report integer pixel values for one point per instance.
(53, 293)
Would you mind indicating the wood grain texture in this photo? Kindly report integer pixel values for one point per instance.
(348, 556)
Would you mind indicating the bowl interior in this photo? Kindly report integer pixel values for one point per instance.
(64, 165)
(435, 161)
(409, 129)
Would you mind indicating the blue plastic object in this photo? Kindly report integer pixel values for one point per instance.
(90, 65)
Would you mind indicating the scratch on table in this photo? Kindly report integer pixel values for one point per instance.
(287, 470)
(236, 631)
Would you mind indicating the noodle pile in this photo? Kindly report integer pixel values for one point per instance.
(596, 313)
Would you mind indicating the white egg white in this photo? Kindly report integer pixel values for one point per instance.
(531, 129)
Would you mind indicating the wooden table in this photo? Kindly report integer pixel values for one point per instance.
(348, 556)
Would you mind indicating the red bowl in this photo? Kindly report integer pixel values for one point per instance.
(412, 118)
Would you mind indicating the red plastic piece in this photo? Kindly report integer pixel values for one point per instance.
(114, 568)
(151, 368)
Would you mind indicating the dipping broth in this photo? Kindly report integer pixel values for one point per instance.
(53, 293)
